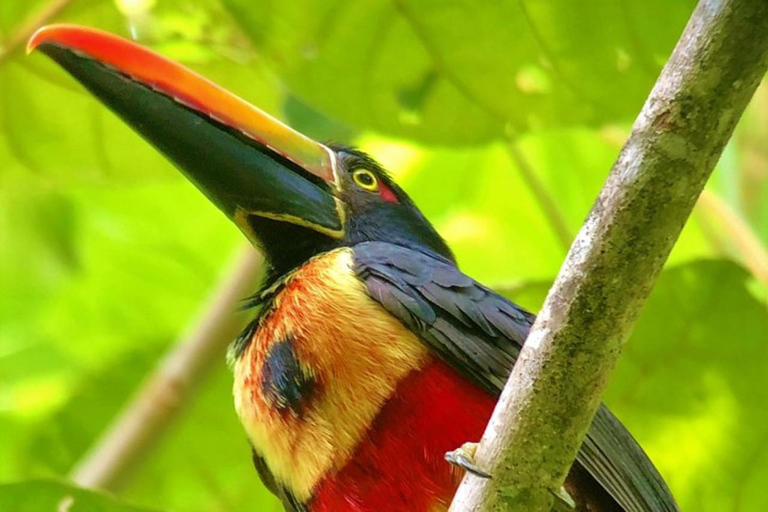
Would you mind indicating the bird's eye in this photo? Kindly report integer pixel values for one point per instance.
(366, 180)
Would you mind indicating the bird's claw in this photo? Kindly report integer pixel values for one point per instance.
(464, 457)
(564, 500)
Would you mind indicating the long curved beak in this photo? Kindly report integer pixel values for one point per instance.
(244, 161)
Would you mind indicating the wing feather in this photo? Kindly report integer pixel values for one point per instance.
(480, 333)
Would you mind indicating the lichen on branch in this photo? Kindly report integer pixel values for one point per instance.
(555, 388)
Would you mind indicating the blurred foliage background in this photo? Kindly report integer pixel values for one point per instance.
(501, 119)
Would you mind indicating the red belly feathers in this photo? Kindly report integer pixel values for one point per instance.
(400, 464)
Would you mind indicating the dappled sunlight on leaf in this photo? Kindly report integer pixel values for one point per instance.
(702, 438)
(399, 158)
(34, 397)
(687, 386)
(688, 383)
(466, 227)
(381, 77)
(37, 495)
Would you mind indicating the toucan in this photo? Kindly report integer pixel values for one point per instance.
(372, 357)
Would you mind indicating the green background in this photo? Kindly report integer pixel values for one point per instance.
(500, 118)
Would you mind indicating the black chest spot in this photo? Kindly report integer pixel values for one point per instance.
(284, 382)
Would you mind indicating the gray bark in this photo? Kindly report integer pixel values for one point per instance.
(557, 383)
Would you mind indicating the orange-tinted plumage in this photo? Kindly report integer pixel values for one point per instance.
(354, 353)
(372, 432)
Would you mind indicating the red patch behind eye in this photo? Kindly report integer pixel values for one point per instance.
(386, 193)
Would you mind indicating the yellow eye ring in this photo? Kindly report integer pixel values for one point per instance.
(366, 180)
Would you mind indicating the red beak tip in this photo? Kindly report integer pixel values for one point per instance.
(37, 38)
(43, 35)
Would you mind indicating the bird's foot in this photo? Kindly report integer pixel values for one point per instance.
(464, 457)
(564, 501)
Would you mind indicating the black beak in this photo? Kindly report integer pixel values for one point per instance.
(243, 160)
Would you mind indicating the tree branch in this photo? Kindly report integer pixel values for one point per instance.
(555, 388)
(162, 397)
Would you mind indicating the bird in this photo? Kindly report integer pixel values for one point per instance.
(372, 362)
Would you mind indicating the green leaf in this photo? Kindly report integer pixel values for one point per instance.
(39, 495)
(458, 71)
(156, 247)
(204, 449)
(482, 203)
(745, 186)
(572, 166)
(54, 446)
(688, 384)
(366, 64)
(554, 62)
(53, 134)
(494, 238)
(208, 451)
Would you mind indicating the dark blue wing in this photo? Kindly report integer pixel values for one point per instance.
(470, 326)
(480, 334)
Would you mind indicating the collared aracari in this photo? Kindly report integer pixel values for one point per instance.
(372, 354)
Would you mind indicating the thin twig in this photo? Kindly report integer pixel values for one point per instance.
(169, 388)
(751, 250)
(546, 202)
(551, 397)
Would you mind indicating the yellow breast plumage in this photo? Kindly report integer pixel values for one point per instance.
(323, 360)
